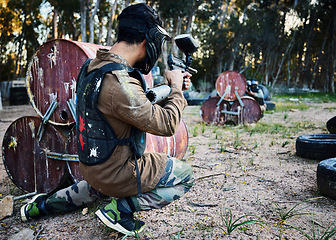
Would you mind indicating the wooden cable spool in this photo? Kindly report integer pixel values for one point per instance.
(230, 82)
(25, 156)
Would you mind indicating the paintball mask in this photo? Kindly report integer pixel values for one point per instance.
(144, 19)
(254, 85)
(155, 38)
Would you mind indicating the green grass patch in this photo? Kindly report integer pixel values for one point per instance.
(317, 97)
(262, 127)
(286, 106)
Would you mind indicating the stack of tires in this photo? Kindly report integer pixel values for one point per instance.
(321, 147)
(18, 96)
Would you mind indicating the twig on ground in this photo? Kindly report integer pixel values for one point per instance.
(202, 204)
(283, 152)
(211, 175)
(39, 232)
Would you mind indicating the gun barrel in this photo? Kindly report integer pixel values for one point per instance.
(157, 94)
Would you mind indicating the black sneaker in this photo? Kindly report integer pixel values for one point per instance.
(111, 217)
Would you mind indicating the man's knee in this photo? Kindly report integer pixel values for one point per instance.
(186, 173)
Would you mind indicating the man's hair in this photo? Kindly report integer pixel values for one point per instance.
(135, 22)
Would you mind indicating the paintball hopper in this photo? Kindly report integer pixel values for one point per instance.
(188, 45)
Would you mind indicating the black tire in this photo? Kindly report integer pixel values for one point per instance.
(316, 146)
(265, 92)
(326, 177)
(195, 101)
(18, 96)
(270, 105)
(331, 125)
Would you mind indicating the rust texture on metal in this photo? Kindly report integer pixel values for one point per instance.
(71, 148)
(25, 157)
(251, 112)
(175, 146)
(228, 82)
(211, 113)
(52, 74)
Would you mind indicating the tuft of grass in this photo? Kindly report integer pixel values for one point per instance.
(192, 148)
(237, 142)
(329, 232)
(283, 214)
(230, 224)
(203, 126)
(285, 143)
(195, 131)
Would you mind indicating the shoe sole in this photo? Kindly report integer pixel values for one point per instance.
(23, 208)
(117, 227)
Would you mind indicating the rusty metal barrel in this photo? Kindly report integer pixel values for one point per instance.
(211, 113)
(25, 156)
(175, 146)
(229, 84)
(251, 112)
(51, 77)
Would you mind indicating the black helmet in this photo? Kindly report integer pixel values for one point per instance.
(254, 82)
(145, 20)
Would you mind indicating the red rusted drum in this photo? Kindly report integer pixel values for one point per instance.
(211, 113)
(175, 146)
(52, 74)
(251, 112)
(25, 157)
(228, 82)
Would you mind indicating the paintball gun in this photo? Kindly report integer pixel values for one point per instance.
(188, 45)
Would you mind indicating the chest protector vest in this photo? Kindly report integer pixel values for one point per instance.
(96, 140)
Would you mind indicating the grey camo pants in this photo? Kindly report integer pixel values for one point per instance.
(176, 181)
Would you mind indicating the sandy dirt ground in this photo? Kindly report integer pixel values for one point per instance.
(251, 170)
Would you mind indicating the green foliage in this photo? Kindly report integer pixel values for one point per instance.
(283, 214)
(327, 234)
(317, 97)
(262, 127)
(230, 224)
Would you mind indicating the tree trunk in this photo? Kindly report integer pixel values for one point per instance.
(83, 19)
(191, 14)
(91, 23)
(289, 48)
(110, 24)
(100, 33)
(176, 23)
(55, 28)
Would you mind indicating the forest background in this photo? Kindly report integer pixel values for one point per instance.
(286, 43)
